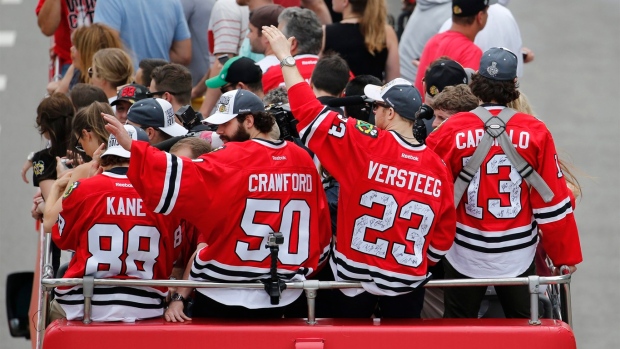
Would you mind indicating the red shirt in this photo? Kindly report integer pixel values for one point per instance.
(395, 210)
(72, 15)
(114, 235)
(272, 78)
(452, 44)
(499, 216)
(235, 196)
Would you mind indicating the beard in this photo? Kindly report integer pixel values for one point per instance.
(241, 135)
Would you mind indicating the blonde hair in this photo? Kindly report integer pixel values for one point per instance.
(522, 105)
(87, 40)
(372, 23)
(113, 65)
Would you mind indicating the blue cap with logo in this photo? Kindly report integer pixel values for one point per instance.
(233, 103)
(155, 112)
(398, 94)
(498, 63)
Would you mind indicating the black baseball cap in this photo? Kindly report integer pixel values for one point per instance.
(442, 73)
(236, 69)
(498, 63)
(131, 93)
(398, 94)
(466, 8)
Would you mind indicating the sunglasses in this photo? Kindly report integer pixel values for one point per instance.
(376, 105)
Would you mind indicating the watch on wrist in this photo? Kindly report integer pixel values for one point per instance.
(177, 297)
(287, 62)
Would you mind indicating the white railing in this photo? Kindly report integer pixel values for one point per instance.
(309, 286)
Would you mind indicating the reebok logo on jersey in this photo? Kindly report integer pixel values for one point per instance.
(124, 185)
(278, 158)
(410, 157)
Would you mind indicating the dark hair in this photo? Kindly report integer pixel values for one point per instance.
(466, 21)
(147, 65)
(54, 116)
(89, 118)
(112, 161)
(263, 121)
(198, 146)
(487, 90)
(355, 87)
(276, 96)
(331, 74)
(455, 99)
(83, 95)
(255, 86)
(175, 79)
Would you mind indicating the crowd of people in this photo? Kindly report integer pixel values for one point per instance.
(265, 141)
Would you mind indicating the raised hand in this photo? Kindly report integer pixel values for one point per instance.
(280, 45)
(118, 130)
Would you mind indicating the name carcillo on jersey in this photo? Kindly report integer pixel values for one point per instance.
(401, 178)
(273, 182)
(471, 139)
(119, 206)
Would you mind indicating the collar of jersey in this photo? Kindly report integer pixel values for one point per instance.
(405, 144)
(117, 172)
(275, 145)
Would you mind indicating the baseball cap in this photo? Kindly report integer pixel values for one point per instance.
(131, 93)
(498, 63)
(398, 94)
(136, 134)
(233, 103)
(155, 112)
(442, 73)
(236, 69)
(466, 8)
(266, 16)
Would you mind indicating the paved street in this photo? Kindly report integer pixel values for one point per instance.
(572, 85)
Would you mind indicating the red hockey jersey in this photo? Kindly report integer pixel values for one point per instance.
(114, 236)
(395, 211)
(499, 215)
(235, 196)
(273, 78)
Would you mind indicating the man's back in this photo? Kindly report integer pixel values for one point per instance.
(499, 216)
(114, 236)
(236, 196)
(395, 198)
(452, 44)
(148, 27)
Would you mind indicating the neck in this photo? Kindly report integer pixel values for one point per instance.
(254, 133)
(321, 93)
(268, 51)
(469, 31)
(404, 129)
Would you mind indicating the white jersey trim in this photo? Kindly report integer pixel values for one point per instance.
(553, 213)
(405, 144)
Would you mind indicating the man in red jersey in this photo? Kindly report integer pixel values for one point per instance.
(395, 211)
(236, 196)
(468, 18)
(114, 236)
(499, 215)
(303, 26)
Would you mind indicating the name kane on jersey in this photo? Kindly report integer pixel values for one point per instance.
(119, 206)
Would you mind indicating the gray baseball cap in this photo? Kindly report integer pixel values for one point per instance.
(498, 63)
(398, 94)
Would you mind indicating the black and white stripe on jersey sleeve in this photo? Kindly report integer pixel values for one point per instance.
(553, 213)
(389, 282)
(218, 272)
(496, 242)
(434, 254)
(172, 181)
(308, 131)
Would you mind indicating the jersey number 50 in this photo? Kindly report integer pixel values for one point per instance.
(287, 254)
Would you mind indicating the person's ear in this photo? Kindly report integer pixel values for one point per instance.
(241, 86)
(86, 135)
(248, 123)
(150, 132)
(294, 45)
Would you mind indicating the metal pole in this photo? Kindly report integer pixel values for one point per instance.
(88, 288)
(534, 288)
(47, 272)
(565, 270)
(311, 287)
